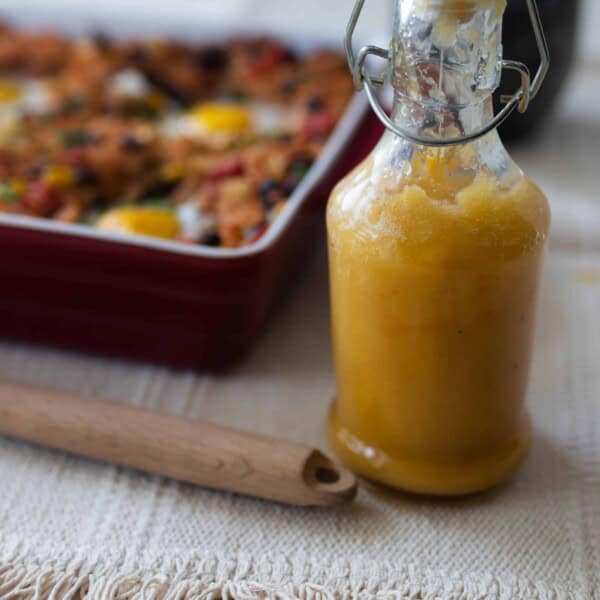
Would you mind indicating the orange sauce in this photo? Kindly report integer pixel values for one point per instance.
(434, 278)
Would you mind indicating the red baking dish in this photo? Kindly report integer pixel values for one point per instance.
(141, 298)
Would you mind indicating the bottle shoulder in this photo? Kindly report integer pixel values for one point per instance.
(440, 204)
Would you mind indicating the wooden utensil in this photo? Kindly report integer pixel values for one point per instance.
(185, 449)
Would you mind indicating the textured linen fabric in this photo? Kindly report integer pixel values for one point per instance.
(71, 528)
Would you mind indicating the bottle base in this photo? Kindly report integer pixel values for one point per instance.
(424, 477)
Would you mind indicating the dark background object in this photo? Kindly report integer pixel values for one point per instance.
(560, 19)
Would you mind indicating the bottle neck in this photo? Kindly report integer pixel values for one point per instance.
(447, 58)
(443, 120)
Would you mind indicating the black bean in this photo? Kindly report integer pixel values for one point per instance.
(267, 186)
(137, 55)
(289, 185)
(102, 204)
(131, 144)
(270, 193)
(36, 171)
(102, 41)
(315, 104)
(212, 58)
(268, 202)
(291, 56)
(288, 87)
(211, 239)
(162, 188)
(86, 177)
(173, 92)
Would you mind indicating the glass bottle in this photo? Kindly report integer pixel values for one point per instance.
(435, 258)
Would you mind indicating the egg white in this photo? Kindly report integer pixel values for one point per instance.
(32, 98)
(265, 119)
(193, 223)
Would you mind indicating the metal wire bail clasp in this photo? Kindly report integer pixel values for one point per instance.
(520, 100)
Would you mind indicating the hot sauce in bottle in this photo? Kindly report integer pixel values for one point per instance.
(436, 244)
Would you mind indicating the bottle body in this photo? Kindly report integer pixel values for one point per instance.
(435, 260)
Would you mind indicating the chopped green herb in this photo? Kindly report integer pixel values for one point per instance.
(142, 111)
(246, 140)
(299, 168)
(74, 103)
(157, 202)
(71, 138)
(7, 193)
(92, 215)
(236, 95)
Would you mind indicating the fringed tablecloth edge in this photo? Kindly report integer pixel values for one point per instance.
(228, 577)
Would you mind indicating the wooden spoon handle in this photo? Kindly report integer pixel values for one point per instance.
(185, 449)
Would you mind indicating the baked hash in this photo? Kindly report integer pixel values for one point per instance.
(200, 143)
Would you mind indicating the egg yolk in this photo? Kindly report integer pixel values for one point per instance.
(140, 221)
(58, 177)
(222, 118)
(9, 92)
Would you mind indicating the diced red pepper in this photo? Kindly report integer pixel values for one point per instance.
(76, 157)
(319, 124)
(232, 167)
(40, 199)
(270, 57)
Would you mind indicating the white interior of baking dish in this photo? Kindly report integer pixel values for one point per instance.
(182, 19)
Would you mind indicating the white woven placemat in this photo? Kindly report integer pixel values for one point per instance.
(71, 528)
